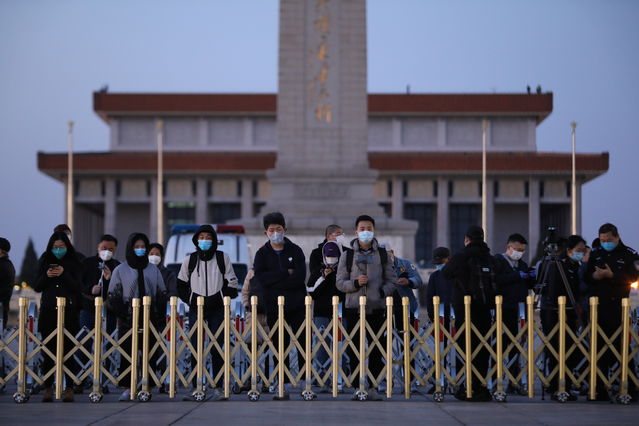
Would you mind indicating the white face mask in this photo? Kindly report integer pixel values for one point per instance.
(155, 259)
(105, 255)
(516, 255)
(341, 240)
(331, 260)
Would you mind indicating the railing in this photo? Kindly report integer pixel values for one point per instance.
(442, 354)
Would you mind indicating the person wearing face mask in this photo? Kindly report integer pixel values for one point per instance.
(321, 286)
(280, 268)
(564, 282)
(7, 280)
(135, 278)
(438, 285)
(611, 268)
(63, 227)
(365, 270)
(209, 273)
(513, 279)
(59, 275)
(156, 257)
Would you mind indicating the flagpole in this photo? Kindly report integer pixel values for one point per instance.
(573, 191)
(160, 183)
(70, 175)
(484, 184)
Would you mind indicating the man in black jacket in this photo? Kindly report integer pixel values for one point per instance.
(611, 268)
(7, 280)
(280, 268)
(513, 280)
(460, 269)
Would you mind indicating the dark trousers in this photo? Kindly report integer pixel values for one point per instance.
(480, 318)
(510, 317)
(213, 318)
(126, 347)
(294, 319)
(376, 320)
(47, 323)
(549, 318)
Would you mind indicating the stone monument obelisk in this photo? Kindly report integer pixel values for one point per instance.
(322, 174)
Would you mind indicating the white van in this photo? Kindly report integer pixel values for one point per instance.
(231, 240)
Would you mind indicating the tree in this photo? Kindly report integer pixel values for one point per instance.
(29, 269)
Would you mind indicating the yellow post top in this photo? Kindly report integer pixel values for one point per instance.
(362, 300)
(146, 300)
(280, 300)
(308, 300)
(227, 301)
(98, 302)
(435, 300)
(389, 301)
(335, 300)
(467, 300)
(135, 302)
(529, 300)
(23, 301)
(499, 300)
(405, 301)
(561, 300)
(173, 301)
(199, 301)
(61, 301)
(625, 302)
(594, 301)
(253, 300)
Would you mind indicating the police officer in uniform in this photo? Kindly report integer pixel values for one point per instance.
(611, 269)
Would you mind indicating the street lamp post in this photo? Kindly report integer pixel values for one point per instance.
(573, 190)
(160, 183)
(70, 175)
(484, 183)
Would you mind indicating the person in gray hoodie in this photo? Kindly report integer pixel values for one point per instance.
(201, 275)
(365, 271)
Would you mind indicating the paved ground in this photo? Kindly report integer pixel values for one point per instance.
(419, 410)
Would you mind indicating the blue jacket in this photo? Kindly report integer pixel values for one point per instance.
(404, 268)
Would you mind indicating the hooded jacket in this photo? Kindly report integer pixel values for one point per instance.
(323, 295)
(376, 290)
(206, 279)
(67, 285)
(124, 283)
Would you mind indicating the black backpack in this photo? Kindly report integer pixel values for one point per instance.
(226, 290)
(383, 256)
(481, 280)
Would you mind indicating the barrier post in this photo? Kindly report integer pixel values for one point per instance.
(135, 304)
(362, 346)
(530, 314)
(146, 320)
(97, 347)
(173, 302)
(59, 355)
(227, 347)
(335, 346)
(200, 343)
(438, 354)
(407, 351)
(280, 346)
(625, 341)
(389, 347)
(468, 328)
(308, 393)
(594, 329)
(21, 395)
(254, 394)
(561, 303)
(500, 344)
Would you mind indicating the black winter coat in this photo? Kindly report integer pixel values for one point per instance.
(322, 295)
(91, 276)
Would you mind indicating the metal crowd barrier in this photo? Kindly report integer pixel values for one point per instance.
(254, 357)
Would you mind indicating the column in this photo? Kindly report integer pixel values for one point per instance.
(110, 207)
(397, 200)
(201, 202)
(442, 213)
(534, 220)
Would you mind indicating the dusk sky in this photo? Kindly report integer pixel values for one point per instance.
(54, 54)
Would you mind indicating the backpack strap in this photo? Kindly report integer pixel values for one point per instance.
(350, 254)
(219, 255)
(192, 263)
(383, 257)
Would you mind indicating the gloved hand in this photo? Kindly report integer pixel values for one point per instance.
(523, 275)
(532, 273)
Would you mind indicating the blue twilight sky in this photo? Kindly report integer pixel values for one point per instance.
(54, 54)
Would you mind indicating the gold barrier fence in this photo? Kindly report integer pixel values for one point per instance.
(436, 354)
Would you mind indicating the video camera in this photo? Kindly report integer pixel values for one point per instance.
(551, 242)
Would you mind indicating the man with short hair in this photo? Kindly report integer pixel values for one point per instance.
(280, 269)
(467, 270)
(513, 279)
(611, 268)
(365, 270)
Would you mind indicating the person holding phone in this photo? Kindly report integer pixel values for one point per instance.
(60, 275)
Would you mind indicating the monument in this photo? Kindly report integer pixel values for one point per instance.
(322, 175)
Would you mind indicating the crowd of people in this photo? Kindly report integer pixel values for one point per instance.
(363, 266)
